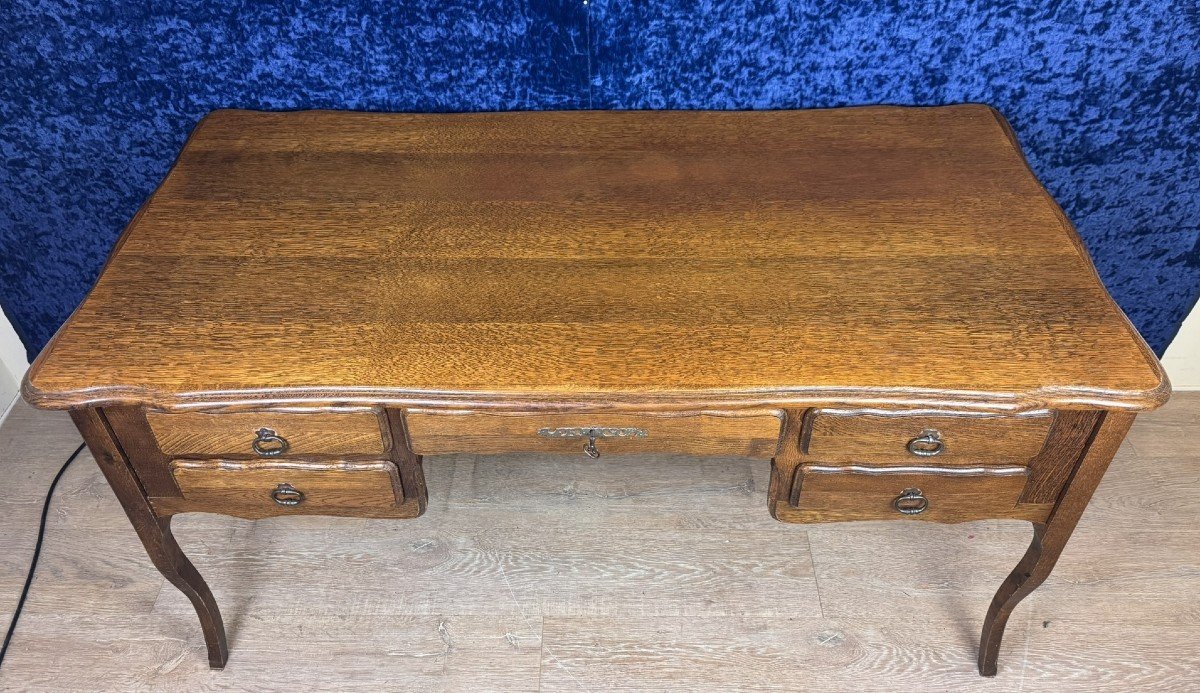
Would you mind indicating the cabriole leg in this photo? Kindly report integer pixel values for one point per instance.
(154, 531)
(1025, 578)
(1050, 538)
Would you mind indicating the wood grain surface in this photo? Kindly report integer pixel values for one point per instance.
(359, 432)
(746, 433)
(650, 259)
(243, 488)
(835, 494)
(1050, 470)
(636, 574)
(882, 437)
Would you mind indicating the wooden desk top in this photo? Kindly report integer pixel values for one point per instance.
(601, 259)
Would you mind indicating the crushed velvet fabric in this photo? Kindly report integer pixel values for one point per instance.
(96, 99)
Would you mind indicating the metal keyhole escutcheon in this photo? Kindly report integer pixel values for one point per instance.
(590, 449)
(593, 434)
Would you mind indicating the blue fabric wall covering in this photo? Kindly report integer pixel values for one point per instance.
(97, 98)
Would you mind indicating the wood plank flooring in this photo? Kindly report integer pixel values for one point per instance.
(564, 574)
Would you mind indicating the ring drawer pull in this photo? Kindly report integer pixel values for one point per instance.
(286, 494)
(911, 502)
(268, 443)
(928, 444)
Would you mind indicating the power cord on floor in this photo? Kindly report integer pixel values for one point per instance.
(37, 551)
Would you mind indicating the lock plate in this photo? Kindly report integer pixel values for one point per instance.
(592, 433)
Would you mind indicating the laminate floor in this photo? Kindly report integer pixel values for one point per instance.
(565, 574)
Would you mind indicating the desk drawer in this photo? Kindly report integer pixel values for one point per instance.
(935, 439)
(270, 433)
(748, 434)
(260, 488)
(835, 494)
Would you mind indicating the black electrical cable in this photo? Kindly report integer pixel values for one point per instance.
(37, 551)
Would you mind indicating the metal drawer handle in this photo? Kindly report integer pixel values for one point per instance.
(269, 444)
(928, 444)
(286, 494)
(911, 502)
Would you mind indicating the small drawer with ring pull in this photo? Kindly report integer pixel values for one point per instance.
(262, 488)
(269, 433)
(937, 438)
(823, 493)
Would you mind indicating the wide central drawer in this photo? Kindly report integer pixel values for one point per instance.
(748, 434)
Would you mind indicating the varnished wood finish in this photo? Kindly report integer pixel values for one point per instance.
(154, 529)
(309, 433)
(243, 488)
(713, 278)
(1050, 537)
(745, 433)
(681, 259)
(882, 437)
(412, 476)
(1049, 471)
(130, 426)
(786, 461)
(837, 494)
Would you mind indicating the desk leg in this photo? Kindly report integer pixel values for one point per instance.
(154, 531)
(1050, 538)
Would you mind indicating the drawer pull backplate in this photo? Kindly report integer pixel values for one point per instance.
(928, 444)
(286, 494)
(268, 443)
(911, 502)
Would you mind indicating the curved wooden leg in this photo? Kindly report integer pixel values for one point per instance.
(1025, 578)
(153, 530)
(178, 570)
(1050, 538)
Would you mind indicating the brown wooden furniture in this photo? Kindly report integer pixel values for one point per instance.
(884, 302)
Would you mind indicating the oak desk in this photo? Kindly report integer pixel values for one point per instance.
(882, 303)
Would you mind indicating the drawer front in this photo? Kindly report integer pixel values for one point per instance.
(270, 433)
(261, 488)
(750, 434)
(936, 439)
(834, 494)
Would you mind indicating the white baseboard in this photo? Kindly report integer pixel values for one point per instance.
(1182, 359)
(8, 393)
(13, 365)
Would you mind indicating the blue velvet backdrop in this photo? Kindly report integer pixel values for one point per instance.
(97, 98)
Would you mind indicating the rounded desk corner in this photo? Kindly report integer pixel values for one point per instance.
(36, 396)
(1161, 393)
(1150, 397)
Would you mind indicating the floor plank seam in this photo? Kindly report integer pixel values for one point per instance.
(1025, 649)
(546, 652)
(812, 562)
(541, 651)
